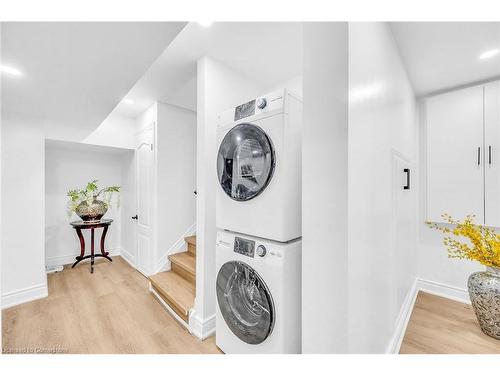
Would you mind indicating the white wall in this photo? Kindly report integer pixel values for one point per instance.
(176, 158)
(324, 189)
(1, 207)
(71, 166)
(23, 212)
(294, 84)
(23, 174)
(219, 88)
(433, 262)
(114, 131)
(382, 119)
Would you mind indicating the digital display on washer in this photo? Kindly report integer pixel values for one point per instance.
(244, 110)
(244, 247)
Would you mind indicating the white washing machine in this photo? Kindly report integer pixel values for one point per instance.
(258, 295)
(259, 167)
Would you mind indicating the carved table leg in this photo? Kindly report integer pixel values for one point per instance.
(82, 247)
(92, 251)
(104, 253)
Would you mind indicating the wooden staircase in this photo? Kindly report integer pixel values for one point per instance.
(177, 288)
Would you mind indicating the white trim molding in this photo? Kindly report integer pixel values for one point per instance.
(444, 290)
(432, 287)
(201, 328)
(129, 258)
(179, 246)
(403, 319)
(24, 295)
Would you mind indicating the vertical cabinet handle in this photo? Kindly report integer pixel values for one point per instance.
(407, 186)
(489, 155)
(479, 156)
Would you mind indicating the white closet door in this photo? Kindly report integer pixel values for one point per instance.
(145, 228)
(492, 153)
(455, 151)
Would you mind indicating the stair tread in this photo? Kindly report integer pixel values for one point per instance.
(191, 239)
(184, 260)
(178, 290)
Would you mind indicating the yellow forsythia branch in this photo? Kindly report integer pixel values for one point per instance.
(483, 243)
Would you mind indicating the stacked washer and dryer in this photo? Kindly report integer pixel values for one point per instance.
(258, 206)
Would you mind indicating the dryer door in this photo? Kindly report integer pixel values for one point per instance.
(245, 302)
(245, 163)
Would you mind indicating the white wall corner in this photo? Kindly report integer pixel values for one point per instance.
(24, 295)
(432, 287)
(179, 246)
(202, 329)
(403, 319)
(443, 290)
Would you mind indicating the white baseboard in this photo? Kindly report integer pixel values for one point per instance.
(432, 287)
(177, 247)
(19, 296)
(63, 260)
(129, 258)
(201, 328)
(444, 290)
(403, 319)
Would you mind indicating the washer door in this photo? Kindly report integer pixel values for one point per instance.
(245, 302)
(245, 163)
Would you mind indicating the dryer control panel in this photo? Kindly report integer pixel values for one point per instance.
(244, 246)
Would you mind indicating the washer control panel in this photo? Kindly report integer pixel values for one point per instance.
(244, 247)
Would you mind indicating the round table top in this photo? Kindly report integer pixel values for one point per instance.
(89, 224)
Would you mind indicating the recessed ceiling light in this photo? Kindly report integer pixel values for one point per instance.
(489, 54)
(10, 70)
(128, 101)
(205, 23)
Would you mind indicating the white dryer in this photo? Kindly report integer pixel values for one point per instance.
(258, 295)
(259, 167)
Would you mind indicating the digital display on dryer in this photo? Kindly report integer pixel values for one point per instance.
(244, 247)
(244, 110)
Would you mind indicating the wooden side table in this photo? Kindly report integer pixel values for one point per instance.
(79, 226)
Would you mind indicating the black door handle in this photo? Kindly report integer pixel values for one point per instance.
(135, 217)
(407, 186)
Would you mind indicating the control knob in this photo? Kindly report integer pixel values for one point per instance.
(261, 251)
(261, 103)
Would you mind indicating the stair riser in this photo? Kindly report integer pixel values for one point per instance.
(185, 274)
(172, 304)
(192, 249)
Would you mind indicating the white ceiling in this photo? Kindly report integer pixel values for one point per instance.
(269, 52)
(75, 73)
(442, 55)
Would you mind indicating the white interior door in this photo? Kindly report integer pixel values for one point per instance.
(492, 153)
(145, 164)
(455, 152)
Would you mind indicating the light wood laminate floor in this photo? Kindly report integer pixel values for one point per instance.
(110, 311)
(440, 325)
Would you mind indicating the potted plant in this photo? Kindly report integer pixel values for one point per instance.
(481, 244)
(85, 202)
